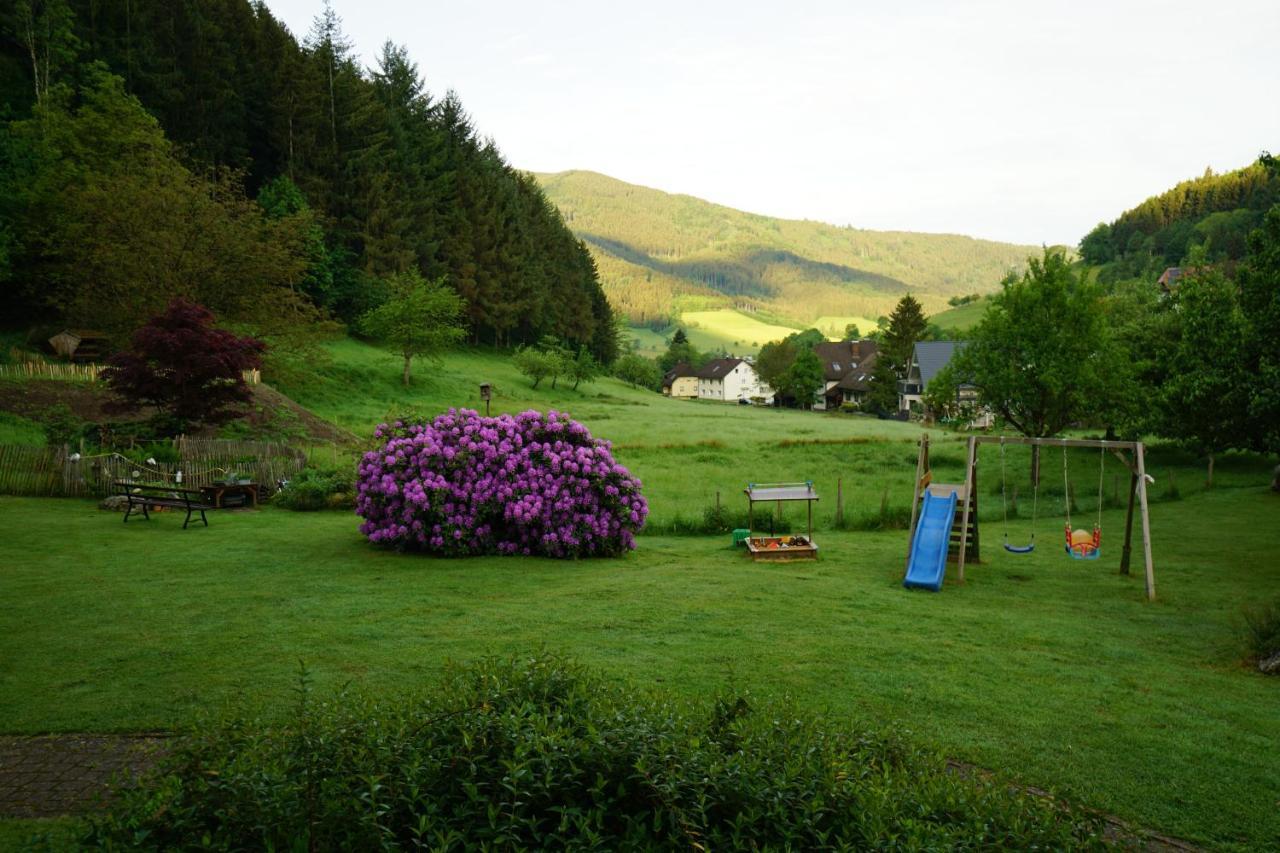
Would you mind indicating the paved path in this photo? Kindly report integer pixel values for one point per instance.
(53, 775)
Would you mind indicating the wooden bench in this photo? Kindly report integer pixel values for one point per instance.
(144, 496)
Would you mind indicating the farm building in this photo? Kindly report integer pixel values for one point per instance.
(731, 380)
(681, 381)
(846, 369)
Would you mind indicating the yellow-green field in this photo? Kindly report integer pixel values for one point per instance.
(833, 326)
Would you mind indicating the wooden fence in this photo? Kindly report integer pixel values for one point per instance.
(78, 372)
(59, 472)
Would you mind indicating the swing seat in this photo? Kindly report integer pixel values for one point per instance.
(1019, 549)
(1083, 545)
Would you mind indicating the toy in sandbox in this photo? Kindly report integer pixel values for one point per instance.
(944, 517)
(773, 547)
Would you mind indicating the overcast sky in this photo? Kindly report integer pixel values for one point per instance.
(1022, 121)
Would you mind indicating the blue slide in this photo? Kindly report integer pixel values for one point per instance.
(929, 548)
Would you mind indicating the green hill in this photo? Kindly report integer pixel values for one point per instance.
(660, 254)
(962, 317)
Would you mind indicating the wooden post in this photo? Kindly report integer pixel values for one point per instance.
(973, 502)
(840, 501)
(1146, 523)
(751, 506)
(964, 521)
(1128, 525)
(809, 504)
(915, 494)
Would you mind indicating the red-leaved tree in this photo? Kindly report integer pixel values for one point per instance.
(185, 368)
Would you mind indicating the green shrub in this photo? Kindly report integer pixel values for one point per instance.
(162, 451)
(1262, 630)
(538, 754)
(319, 488)
(62, 426)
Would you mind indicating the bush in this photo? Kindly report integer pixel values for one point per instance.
(538, 754)
(318, 488)
(1262, 630)
(62, 426)
(524, 484)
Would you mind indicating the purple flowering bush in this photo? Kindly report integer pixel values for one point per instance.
(512, 484)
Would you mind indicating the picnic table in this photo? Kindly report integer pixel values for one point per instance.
(215, 493)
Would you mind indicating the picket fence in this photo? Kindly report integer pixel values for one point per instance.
(60, 472)
(78, 372)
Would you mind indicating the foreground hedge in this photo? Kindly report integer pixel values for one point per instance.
(538, 754)
(512, 484)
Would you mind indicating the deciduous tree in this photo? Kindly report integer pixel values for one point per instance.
(184, 367)
(419, 319)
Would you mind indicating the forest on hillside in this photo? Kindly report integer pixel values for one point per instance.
(152, 148)
(1214, 213)
(658, 253)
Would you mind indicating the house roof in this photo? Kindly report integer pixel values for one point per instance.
(840, 358)
(680, 371)
(932, 356)
(859, 379)
(718, 368)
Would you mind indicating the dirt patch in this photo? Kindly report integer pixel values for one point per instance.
(54, 775)
(31, 398)
(269, 413)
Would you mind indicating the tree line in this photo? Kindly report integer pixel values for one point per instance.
(200, 149)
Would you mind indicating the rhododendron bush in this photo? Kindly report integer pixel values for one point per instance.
(512, 484)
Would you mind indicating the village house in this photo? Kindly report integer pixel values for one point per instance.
(928, 358)
(681, 382)
(846, 369)
(732, 380)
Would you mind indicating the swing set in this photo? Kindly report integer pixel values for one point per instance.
(1079, 544)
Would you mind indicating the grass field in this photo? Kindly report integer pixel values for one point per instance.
(713, 330)
(1054, 671)
(962, 318)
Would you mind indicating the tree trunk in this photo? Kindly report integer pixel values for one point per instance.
(407, 358)
(575, 384)
(536, 381)
(1208, 484)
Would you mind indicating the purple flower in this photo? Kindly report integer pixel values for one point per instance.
(526, 483)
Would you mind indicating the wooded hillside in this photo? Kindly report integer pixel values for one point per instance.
(368, 173)
(656, 250)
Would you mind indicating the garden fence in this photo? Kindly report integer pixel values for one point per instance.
(59, 472)
(78, 372)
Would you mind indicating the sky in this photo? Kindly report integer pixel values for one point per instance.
(1027, 121)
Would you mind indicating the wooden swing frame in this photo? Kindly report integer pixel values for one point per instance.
(1134, 460)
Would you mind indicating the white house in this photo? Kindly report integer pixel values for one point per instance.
(731, 380)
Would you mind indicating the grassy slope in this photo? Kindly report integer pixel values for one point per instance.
(15, 429)
(963, 318)
(650, 242)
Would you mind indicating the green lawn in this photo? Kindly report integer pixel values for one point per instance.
(1056, 671)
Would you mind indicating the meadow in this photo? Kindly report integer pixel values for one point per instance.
(1054, 672)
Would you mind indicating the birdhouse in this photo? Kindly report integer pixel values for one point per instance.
(485, 391)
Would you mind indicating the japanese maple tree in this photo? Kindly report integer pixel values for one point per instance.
(184, 367)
